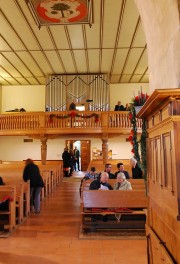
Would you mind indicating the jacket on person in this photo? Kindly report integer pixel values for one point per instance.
(137, 173)
(32, 173)
(96, 184)
(125, 185)
(125, 173)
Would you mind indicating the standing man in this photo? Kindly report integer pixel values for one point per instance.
(76, 156)
(119, 107)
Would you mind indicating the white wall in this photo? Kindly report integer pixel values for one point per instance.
(32, 98)
(29, 97)
(125, 92)
(15, 149)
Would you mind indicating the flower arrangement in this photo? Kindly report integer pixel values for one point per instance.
(140, 99)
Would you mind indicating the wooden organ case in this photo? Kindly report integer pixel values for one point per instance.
(162, 114)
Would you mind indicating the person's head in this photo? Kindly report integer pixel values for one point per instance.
(108, 167)
(1, 181)
(93, 170)
(29, 161)
(104, 177)
(133, 162)
(121, 177)
(119, 102)
(120, 166)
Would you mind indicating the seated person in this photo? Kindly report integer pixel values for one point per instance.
(136, 171)
(92, 174)
(89, 175)
(120, 167)
(108, 168)
(122, 183)
(102, 183)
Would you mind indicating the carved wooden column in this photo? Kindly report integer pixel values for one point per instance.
(105, 147)
(43, 149)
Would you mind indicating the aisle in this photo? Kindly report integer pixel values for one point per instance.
(51, 237)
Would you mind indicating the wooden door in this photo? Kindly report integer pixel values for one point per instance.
(85, 154)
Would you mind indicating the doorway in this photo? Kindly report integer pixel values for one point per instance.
(84, 148)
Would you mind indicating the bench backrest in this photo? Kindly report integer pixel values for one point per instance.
(108, 199)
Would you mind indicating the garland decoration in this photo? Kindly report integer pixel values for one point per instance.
(74, 114)
(142, 142)
(143, 149)
(133, 135)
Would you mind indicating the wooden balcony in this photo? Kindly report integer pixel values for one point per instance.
(67, 122)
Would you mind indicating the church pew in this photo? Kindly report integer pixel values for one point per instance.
(22, 196)
(137, 184)
(9, 222)
(104, 203)
(98, 164)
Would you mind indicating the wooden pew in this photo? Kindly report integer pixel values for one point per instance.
(126, 203)
(22, 196)
(98, 164)
(137, 184)
(9, 223)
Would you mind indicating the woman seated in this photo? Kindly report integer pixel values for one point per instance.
(122, 183)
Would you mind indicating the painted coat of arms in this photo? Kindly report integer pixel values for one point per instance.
(61, 11)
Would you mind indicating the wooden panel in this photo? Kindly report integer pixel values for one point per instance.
(167, 160)
(158, 160)
(85, 154)
(132, 199)
(156, 249)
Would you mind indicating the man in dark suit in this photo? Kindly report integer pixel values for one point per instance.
(76, 156)
(119, 107)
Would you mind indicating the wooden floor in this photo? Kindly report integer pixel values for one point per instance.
(52, 236)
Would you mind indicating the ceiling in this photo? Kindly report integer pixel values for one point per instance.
(115, 44)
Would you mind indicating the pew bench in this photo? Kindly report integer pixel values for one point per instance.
(7, 217)
(137, 184)
(101, 209)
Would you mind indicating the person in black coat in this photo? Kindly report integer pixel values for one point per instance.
(31, 172)
(1, 181)
(66, 162)
(102, 183)
(120, 167)
(76, 156)
(119, 107)
(136, 171)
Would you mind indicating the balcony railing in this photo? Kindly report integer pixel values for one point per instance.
(64, 122)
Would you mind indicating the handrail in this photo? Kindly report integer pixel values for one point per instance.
(49, 121)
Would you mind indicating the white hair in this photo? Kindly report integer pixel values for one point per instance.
(121, 175)
(133, 160)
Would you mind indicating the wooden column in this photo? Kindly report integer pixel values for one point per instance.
(105, 147)
(43, 149)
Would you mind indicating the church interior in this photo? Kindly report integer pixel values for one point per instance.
(72, 74)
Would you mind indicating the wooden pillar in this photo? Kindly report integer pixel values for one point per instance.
(43, 150)
(105, 148)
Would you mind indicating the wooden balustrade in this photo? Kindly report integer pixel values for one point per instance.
(50, 122)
